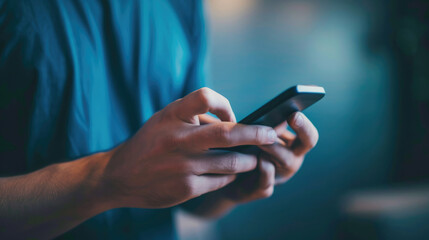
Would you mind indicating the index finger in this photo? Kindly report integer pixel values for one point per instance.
(307, 134)
(227, 134)
(202, 101)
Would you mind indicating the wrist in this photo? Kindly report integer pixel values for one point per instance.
(96, 188)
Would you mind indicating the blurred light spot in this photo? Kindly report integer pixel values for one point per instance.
(387, 201)
(224, 11)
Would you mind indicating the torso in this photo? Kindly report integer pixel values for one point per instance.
(80, 77)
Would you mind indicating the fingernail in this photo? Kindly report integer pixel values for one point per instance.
(299, 120)
(272, 136)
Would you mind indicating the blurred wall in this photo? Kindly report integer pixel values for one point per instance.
(258, 48)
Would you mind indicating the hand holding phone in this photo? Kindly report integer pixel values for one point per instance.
(277, 110)
(279, 161)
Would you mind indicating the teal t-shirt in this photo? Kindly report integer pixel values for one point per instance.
(82, 76)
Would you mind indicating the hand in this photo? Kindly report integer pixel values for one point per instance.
(168, 160)
(249, 186)
(278, 163)
(288, 153)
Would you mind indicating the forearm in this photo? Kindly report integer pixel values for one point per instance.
(210, 205)
(50, 201)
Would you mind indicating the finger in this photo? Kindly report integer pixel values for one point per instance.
(220, 135)
(206, 119)
(285, 134)
(264, 185)
(307, 135)
(267, 175)
(286, 162)
(287, 137)
(219, 162)
(202, 101)
(209, 183)
(281, 127)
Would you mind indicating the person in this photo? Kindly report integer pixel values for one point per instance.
(104, 126)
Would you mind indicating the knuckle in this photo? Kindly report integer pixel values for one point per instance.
(288, 167)
(204, 96)
(171, 142)
(166, 115)
(163, 115)
(284, 164)
(269, 184)
(205, 90)
(226, 100)
(222, 133)
(233, 162)
(170, 108)
(260, 134)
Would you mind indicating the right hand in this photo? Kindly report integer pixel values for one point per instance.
(168, 160)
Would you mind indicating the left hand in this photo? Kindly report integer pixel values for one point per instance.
(277, 163)
(288, 153)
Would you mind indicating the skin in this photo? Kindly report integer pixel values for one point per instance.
(166, 163)
(276, 165)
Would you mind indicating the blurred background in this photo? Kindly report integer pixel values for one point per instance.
(368, 177)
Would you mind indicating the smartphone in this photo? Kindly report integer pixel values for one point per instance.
(278, 109)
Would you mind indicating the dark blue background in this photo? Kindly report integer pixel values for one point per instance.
(260, 48)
